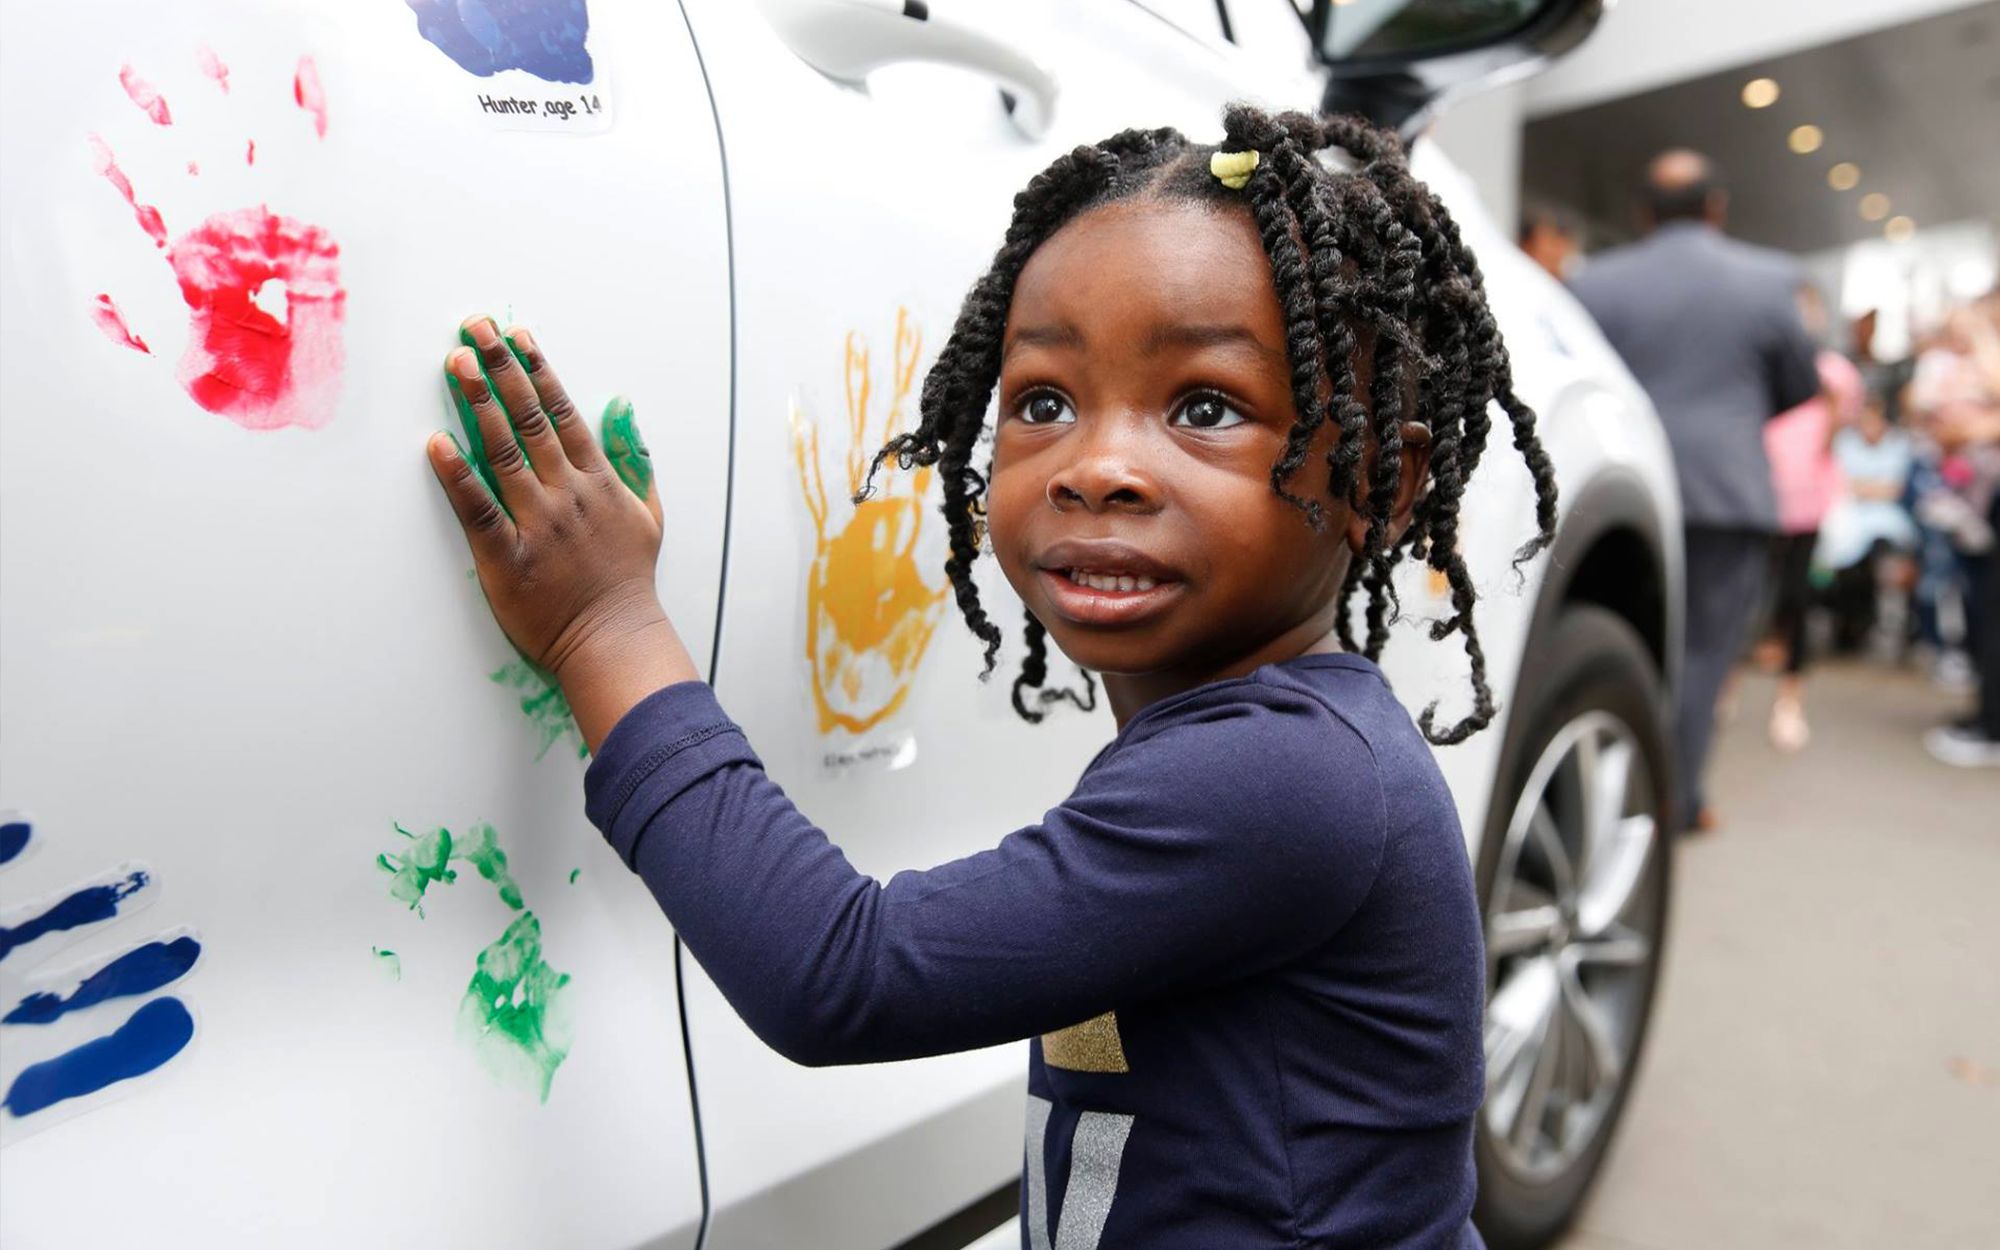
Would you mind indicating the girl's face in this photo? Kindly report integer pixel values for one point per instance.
(1144, 396)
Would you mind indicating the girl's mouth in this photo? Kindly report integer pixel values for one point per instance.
(1093, 597)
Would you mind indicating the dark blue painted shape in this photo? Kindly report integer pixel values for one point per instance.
(544, 37)
(138, 971)
(156, 1033)
(13, 839)
(88, 906)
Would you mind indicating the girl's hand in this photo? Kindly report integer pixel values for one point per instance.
(564, 551)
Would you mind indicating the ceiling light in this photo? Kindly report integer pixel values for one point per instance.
(1806, 139)
(1874, 206)
(1844, 176)
(1760, 93)
(1898, 229)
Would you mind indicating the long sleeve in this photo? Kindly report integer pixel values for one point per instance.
(1219, 836)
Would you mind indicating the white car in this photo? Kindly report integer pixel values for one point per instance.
(304, 940)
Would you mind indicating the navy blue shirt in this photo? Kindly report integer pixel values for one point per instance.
(1247, 949)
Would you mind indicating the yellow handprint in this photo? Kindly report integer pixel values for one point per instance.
(869, 611)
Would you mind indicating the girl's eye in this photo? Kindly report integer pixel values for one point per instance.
(1206, 412)
(1045, 408)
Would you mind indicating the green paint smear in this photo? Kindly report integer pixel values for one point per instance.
(515, 1012)
(625, 448)
(424, 863)
(543, 704)
(574, 873)
(490, 862)
(429, 858)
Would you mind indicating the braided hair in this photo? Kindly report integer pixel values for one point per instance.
(1368, 267)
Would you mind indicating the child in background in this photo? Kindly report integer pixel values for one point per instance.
(1867, 536)
(1807, 481)
(1235, 387)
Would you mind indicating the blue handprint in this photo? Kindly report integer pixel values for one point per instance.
(149, 1037)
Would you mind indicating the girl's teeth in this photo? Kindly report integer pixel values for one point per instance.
(1110, 582)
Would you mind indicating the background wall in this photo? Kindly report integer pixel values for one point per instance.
(1647, 43)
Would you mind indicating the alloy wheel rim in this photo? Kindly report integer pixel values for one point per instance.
(1572, 932)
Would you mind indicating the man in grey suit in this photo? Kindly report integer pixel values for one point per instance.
(1711, 329)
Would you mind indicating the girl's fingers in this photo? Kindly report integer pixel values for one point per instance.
(517, 398)
(481, 517)
(576, 441)
(626, 451)
(508, 468)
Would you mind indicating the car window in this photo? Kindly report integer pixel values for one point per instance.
(1385, 28)
(1200, 18)
(1271, 30)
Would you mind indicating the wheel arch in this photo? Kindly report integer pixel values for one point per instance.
(1612, 551)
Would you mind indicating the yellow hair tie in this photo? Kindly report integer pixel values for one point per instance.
(1232, 169)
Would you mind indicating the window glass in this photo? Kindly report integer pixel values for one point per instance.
(1377, 28)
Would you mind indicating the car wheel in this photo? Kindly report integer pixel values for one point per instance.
(1573, 878)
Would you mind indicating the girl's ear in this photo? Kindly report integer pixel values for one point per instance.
(1416, 456)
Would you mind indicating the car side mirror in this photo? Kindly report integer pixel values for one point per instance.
(1396, 62)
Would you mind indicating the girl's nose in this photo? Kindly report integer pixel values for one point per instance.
(1106, 476)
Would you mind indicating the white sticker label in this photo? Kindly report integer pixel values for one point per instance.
(516, 100)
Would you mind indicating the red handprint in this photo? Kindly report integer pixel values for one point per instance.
(263, 290)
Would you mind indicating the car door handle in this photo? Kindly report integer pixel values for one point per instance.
(847, 40)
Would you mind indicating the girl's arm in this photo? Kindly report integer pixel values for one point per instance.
(1244, 829)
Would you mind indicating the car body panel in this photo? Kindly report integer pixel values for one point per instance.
(241, 656)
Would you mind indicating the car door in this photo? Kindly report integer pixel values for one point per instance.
(390, 988)
(860, 217)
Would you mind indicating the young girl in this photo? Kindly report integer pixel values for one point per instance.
(1235, 387)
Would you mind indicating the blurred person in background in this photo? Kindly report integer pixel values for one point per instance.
(1549, 240)
(1867, 538)
(1957, 391)
(1807, 481)
(1709, 327)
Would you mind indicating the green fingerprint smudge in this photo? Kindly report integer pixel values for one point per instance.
(625, 448)
(514, 1011)
(543, 704)
(425, 862)
(389, 961)
(428, 862)
(490, 862)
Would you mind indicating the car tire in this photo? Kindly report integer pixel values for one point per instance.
(1574, 875)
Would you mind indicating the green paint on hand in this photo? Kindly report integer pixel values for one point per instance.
(624, 447)
(474, 449)
(574, 873)
(514, 1011)
(425, 862)
(486, 857)
(389, 961)
(465, 409)
(543, 704)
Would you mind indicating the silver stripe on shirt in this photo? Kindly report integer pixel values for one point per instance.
(1094, 1156)
(1037, 1215)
